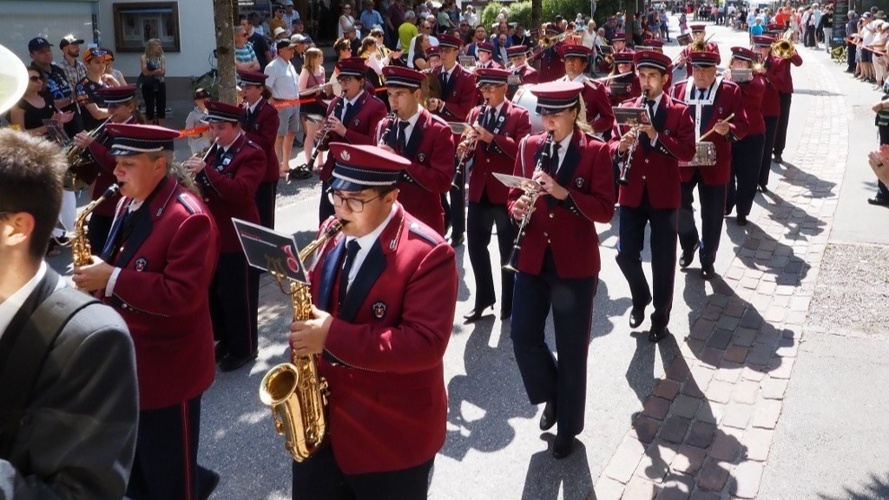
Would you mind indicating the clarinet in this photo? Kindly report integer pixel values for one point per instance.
(384, 139)
(338, 111)
(624, 179)
(473, 141)
(531, 191)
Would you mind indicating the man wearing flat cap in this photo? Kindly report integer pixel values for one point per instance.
(155, 271)
(376, 335)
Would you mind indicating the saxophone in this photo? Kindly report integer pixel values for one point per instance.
(81, 252)
(295, 392)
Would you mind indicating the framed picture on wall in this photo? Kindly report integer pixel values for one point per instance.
(136, 23)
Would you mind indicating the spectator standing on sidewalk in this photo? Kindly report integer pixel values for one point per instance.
(882, 122)
(851, 29)
(827, 27)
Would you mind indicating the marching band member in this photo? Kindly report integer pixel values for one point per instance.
(381, 346)
(621, 88)
(598, 108)
(498, 132)
(577, 189)
(522, 73)
(352, 120)
(747, 152)
(122, 108)
(653, 194)
(155, 271)
(770, 107)
(552, 67)
(458, 97)
(260, 124)
(425, 140)
(710, 100)
(485, 56)
(652, 45)
(784, 81)
(228, 180)
(699, 35)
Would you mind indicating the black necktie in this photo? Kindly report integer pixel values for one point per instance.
(351, 251)
(401, 141)
(346, 112)
(444, 79)
(554, 160)
(489, 119)
(701, 94)
(650, 104)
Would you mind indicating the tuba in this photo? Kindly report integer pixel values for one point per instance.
(295, 392)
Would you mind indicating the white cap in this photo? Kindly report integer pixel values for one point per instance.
(278, 31)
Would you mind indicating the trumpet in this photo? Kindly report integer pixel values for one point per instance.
(471, 139)
(624, 179)
(532, 191)
(204, 156)
(783, 48)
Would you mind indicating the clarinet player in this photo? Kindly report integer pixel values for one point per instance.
(573, 169)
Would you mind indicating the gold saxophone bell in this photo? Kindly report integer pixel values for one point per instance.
(295, 391)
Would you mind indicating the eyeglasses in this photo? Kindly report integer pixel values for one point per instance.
(488, 88)
(344, 79)
(35, 78)
(356, 205)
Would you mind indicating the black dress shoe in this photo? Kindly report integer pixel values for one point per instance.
(299, 173)
(707, 271)
(763, 188)
(876, 200)
(741, 220)
(688, 257)
(563, 446)
(457, 240)
(505, 312)
(231, 363)
(548, 417)
(637, 314)
(657, 333)
(475, 315)
(221, 351)
(209, 480)
(778, 159)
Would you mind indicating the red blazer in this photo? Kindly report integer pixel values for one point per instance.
(635, 91)
(361, 121)
(529, 75)
(566, 227)
(491, 64)
(161, 292)
(459, 96)
(99, 151)
(752, 95)
(383, 353)
(727, 101)
(431, 153)
(655, 170)
(552, 67)
(262, 129)
(598, 108)
(784, 80)
(771, 102)
(229, 190)
(513, 123)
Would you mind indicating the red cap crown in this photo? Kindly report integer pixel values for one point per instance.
(360, 167)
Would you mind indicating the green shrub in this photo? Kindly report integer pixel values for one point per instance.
(568, 9)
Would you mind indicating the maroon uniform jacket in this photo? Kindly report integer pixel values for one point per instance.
(752, 95)
(711, 47)
(655, 169)
(360, 122)
(431, 153)
(567, 226)
(552, 67)
(598, 108)
(781, 71)
(99, 151)
(161, 292)
(490, 64)
(383, 352)
(228, 184)
(727, 101)
(261, 127)
(634, 91)
(511, 125)
(771, 103)
(458, 96)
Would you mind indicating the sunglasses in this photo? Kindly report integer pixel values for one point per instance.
(35, 78)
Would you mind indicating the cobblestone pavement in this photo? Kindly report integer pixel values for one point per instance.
(707, 428)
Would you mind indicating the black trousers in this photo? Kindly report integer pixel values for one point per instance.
(765, 164)
(455, 211)
(544, 378)
(233, 306)
(480, 218)
(809, 36)
(325, 207)
(321, 478)
(166, 461)
(97, 229)
(746, 161)
(712, 213)
(781, 130)
(664, 227)
(265, 202)
(155, 102)
(850, 57)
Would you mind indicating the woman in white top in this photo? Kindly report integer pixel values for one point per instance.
(310, 82)
(346, 20)
(470, 17)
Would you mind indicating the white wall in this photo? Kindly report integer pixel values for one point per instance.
(197, 39)
(23, 20)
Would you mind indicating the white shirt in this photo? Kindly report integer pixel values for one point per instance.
(283, 81)
(563, 149)
(412, 121)
(366, 242)
(347, 103)
(10, 307)
(657, 102)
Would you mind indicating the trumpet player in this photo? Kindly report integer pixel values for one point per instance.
(711, 100)
(746, 153)
(155, 271)
(122, 108)
(486, 57)
(652, 194)
(260, 125)
(783, 79)
(352, 117)
(699, 43)
(493, 142)
(227, 180)
(576, 189)
(521, 72)
(552, 67)
(380, 344)
(598, 108)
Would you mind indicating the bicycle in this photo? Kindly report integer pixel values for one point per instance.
(209, 81)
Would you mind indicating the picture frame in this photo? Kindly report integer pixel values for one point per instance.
(136, 23)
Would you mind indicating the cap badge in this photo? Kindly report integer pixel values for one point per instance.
(345, 156)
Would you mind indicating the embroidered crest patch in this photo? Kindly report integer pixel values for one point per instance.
(141, 264)
(379, 309)
(578, 181)
(356, 122)
(421, 157)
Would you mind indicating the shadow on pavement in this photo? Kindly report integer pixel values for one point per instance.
(546, 477)
(876, 488)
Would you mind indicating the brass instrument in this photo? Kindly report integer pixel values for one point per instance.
(783, 48)
(624, 179)
(204, 156)
(295, 392)
(75, 178)
(81, 252)
(470, 136)
(532, 190)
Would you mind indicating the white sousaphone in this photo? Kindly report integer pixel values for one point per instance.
(13, 79)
